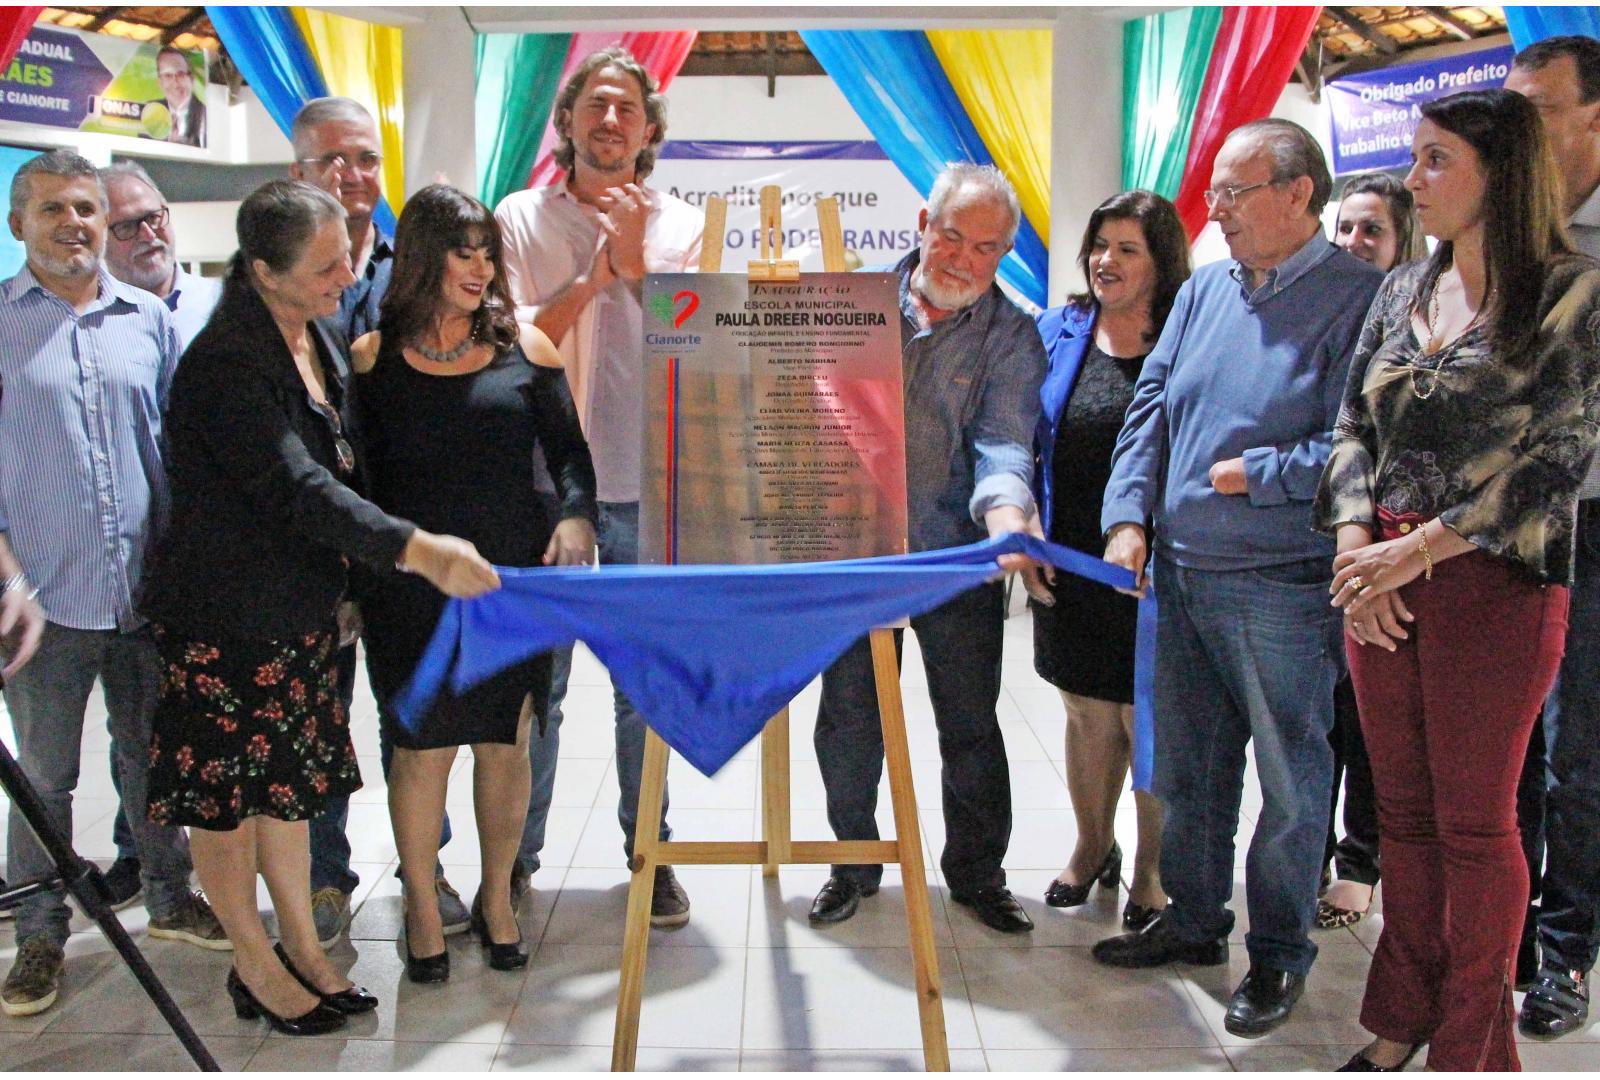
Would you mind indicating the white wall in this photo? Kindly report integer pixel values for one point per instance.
(736, 107)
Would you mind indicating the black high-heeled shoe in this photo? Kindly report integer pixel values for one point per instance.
(351, 1002)
(321, 1019)
(1361, 1063)
(1061, 894)
(508, 957)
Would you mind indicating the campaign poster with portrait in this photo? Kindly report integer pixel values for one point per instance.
(110, 85)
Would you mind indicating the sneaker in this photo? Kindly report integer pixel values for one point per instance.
(192, 922)
(521, 886)
(330, 913)
(453, 914)
(669, 904)
(123, 884)
(35, 977)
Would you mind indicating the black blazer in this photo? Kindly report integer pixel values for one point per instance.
(261, 525)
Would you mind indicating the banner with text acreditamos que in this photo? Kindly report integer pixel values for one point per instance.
(96, 82)
(1376, 113)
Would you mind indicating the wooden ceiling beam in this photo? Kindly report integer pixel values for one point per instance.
(1378, 39)
(1453, 23)
(183, 25)
(99, 21)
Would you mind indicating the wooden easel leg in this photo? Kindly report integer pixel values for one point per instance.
(775, 828)
(908, 838)
(636, 931)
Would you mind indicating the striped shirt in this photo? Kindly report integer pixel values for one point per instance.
(81, 480)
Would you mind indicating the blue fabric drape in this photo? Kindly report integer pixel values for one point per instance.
(896, 85)
(271, 54)
(1530, 24)
(708, 653)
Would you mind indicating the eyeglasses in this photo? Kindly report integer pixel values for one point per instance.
(341, 446)
(127, 230)
(366, 162)
(1230, 195)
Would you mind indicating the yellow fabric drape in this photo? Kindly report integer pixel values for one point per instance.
(361, 60)
(1003, 79)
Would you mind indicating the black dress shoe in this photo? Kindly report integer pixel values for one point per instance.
(1061, 894)
(997, 908)
(1263, 1000)
(321, 1019)
(1361, 1063)
(511, 956)
(1557, 1004)
(355, 1000)
(1136, 917)
(837, 899)
(1158, 944)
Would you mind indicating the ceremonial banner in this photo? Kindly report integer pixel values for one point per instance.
(1375, 114)
(774, 427)
(877, 205)
(112, 85)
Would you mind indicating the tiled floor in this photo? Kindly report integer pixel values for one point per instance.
(748, 984)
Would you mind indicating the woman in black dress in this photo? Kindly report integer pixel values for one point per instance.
(250, 739)
(455, 396)
(1134, 256)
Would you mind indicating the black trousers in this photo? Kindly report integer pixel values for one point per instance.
(1355, 858)
(961, 643)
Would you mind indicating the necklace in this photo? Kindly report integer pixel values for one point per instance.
(1432, 347)
(449, 357)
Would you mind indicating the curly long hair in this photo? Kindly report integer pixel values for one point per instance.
(1164, 235)
(655, 107)
(437, 220)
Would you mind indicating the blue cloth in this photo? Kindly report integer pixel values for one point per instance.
(1239, 372)
(1247, 657)
(707, 653)
(1530, 24)
(272, 54)
(971, 397)
(81, 480)
(894, 81)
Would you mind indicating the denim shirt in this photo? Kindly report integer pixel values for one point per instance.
(1240, 372)
(971, 403)
(358, 307)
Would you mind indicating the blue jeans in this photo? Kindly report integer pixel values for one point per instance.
(1570, 898)
(1241, 656)
(47, 699)
(330, 847)
(618, 536)
(961, 642)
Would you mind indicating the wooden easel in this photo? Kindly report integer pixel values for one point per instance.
(777, 848)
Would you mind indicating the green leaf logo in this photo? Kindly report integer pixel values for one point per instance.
(661, 307)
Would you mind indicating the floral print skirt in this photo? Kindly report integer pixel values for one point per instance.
(248, 727)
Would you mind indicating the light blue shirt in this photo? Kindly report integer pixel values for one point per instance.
(1258, 374)
(81, 481)
(191, 302)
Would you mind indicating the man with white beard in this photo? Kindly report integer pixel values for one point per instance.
(142, 250)
(972, 366)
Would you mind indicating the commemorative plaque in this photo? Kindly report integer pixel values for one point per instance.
(774, 428)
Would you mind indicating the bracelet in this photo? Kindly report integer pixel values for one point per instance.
(1427, 557)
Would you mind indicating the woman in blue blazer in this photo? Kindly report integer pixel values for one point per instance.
(1134, 257)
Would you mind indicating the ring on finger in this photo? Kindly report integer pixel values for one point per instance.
(1354, 583)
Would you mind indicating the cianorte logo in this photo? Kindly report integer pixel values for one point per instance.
(675, 309)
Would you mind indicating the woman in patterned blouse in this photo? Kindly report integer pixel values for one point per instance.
(1467, 426)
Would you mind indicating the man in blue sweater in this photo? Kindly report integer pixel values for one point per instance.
(1220, 455)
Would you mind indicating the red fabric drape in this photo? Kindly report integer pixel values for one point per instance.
(661, 53)
(15, 22)
(1251, 62)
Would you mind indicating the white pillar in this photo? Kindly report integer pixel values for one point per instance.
(1085, 133)
(439, 127)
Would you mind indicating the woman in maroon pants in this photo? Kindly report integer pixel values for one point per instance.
(1452, 485)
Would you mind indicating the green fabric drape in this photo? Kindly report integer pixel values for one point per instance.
(517, 76)
(1164, 62)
